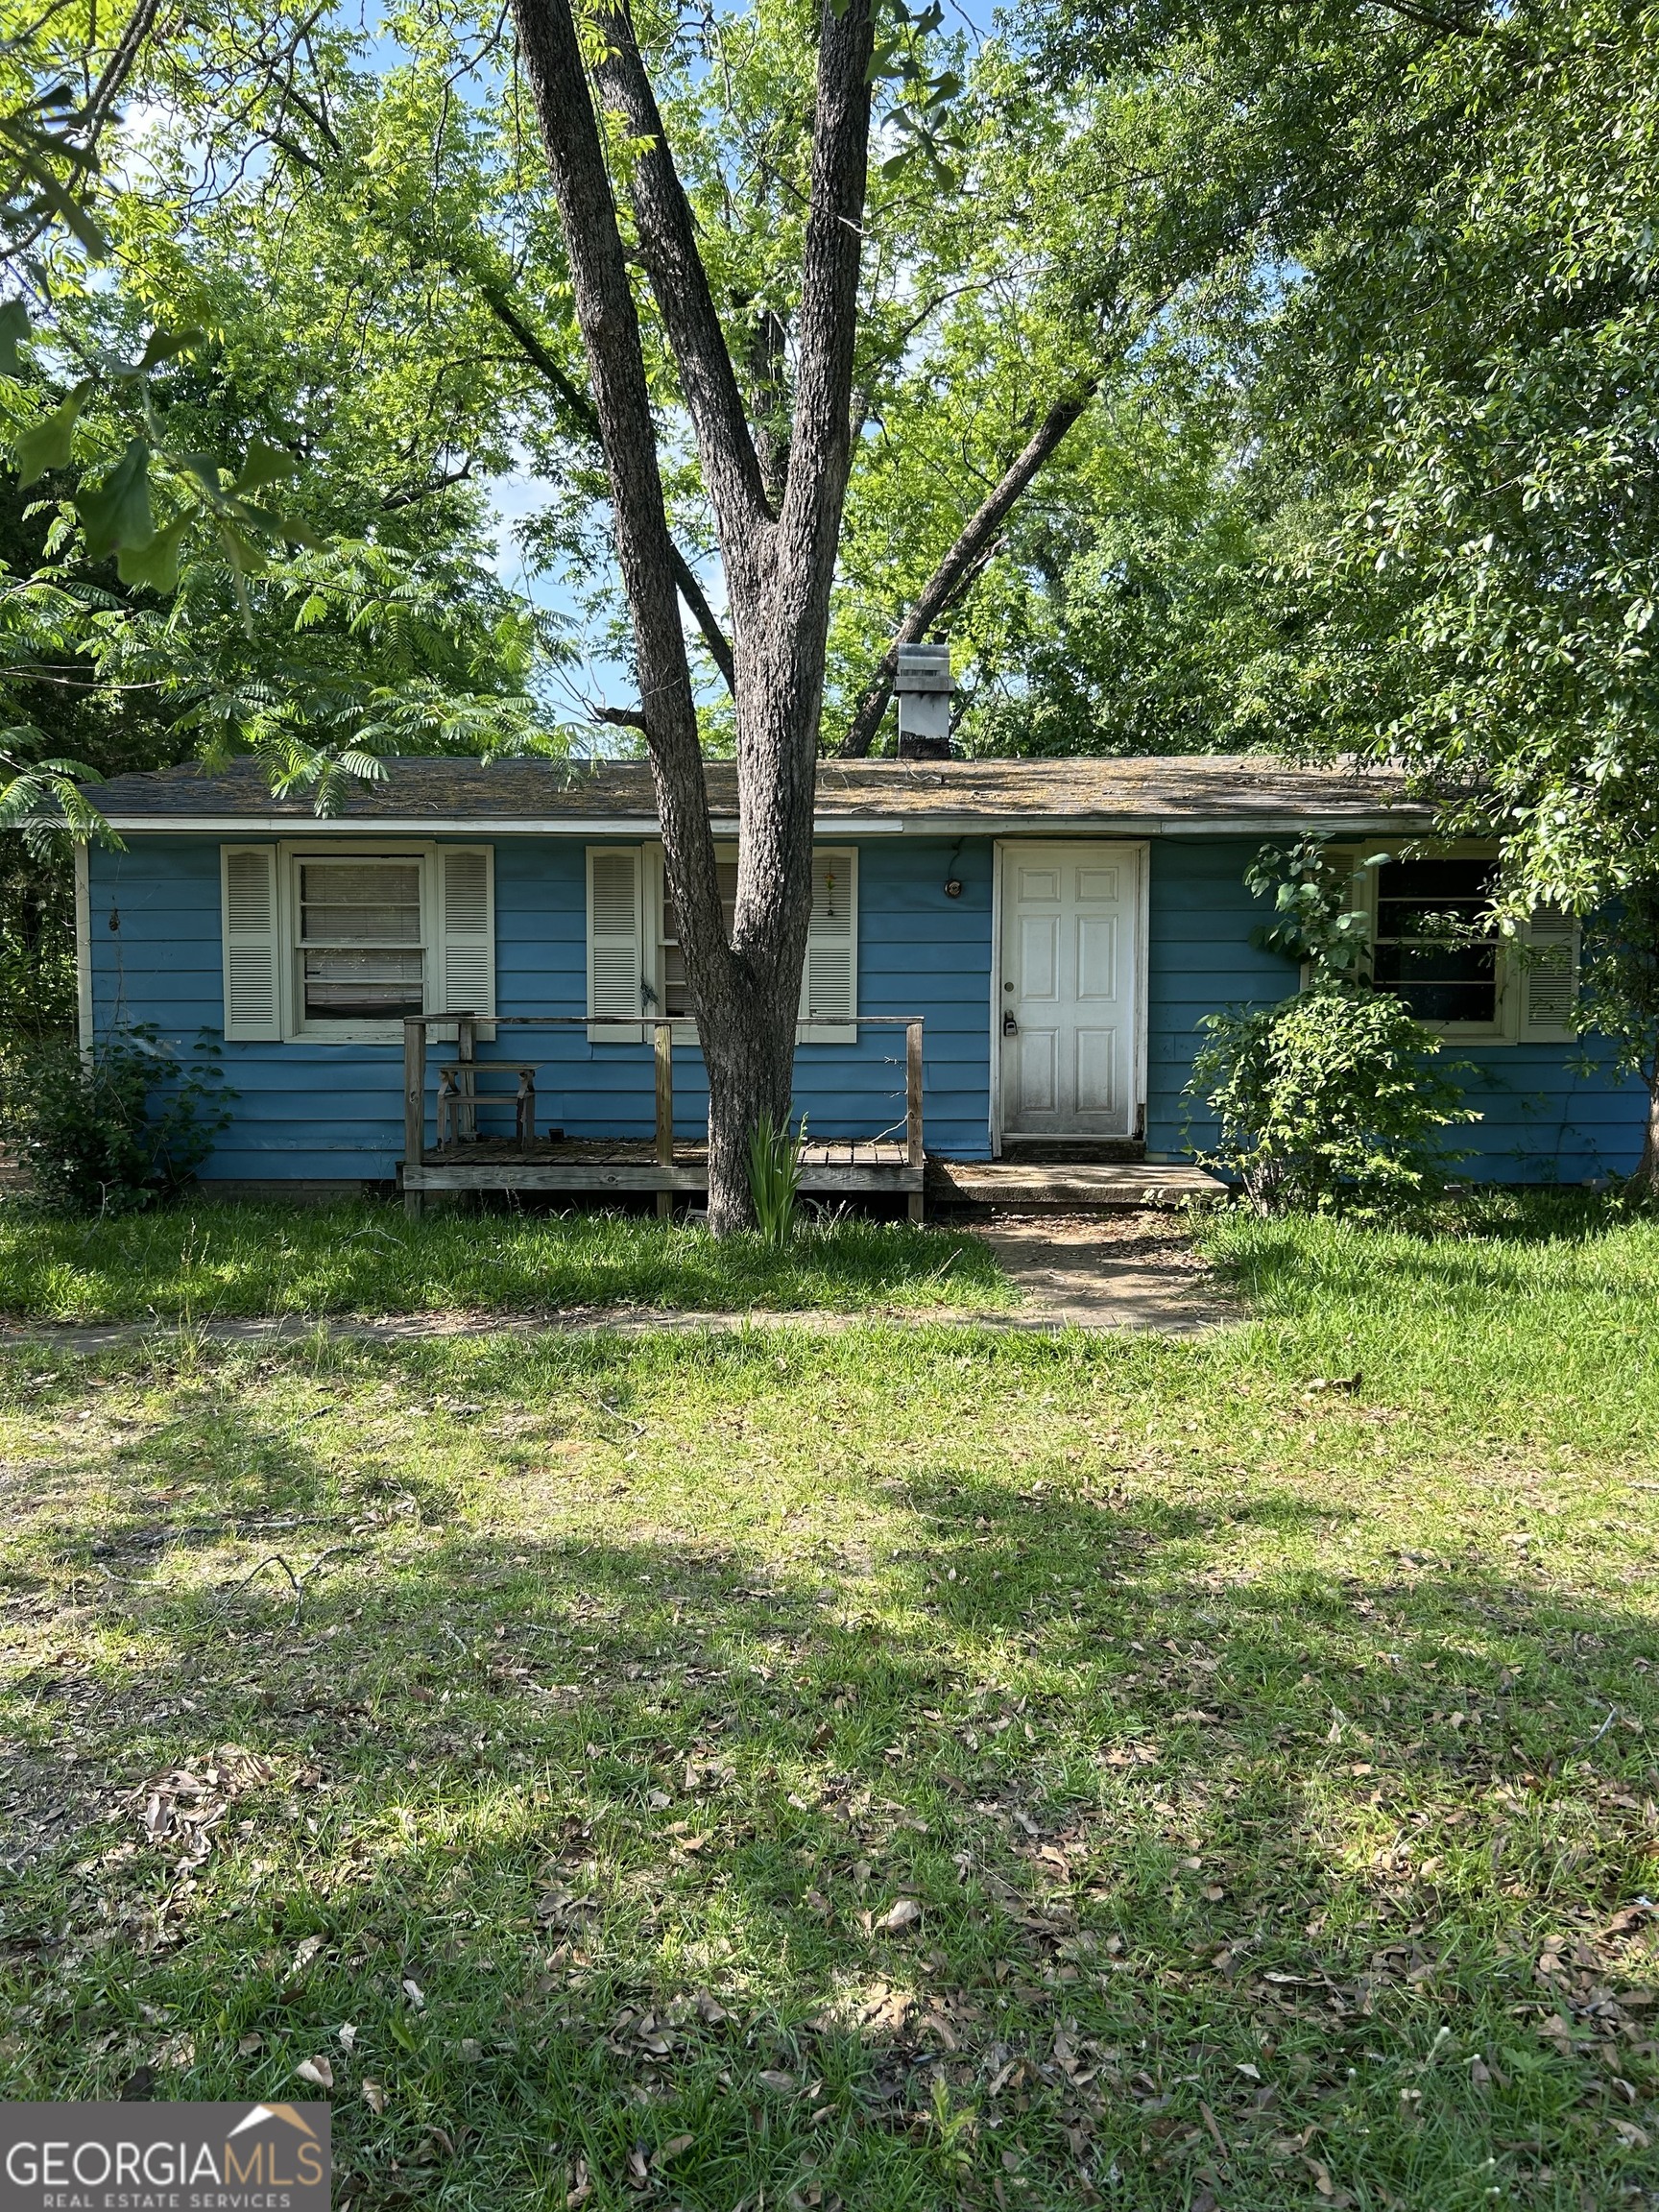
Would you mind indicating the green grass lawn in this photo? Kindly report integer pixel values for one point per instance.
(218, 1263)
(909, 1767)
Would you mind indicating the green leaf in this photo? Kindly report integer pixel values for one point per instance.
(69, 211)
(266, 463)
(204, 467)
(165, 344)
(45, 444)
(13, 332)
(116, 512)
(156, 565)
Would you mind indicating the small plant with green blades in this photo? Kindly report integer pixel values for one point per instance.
(775, 1178)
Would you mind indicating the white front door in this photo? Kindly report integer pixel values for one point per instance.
(1068, 1011)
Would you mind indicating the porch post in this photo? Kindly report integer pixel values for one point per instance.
(663, 1043)
(414, 1109)
(466, 1081)
(915, 1155)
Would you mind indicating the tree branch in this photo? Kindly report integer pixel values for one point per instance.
(411, 495)
(679, 286)
(1430, 21)
(119, 67)
(552, 56)
(579, 407)
(973, 547)
(819, 449)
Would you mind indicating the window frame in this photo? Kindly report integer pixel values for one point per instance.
(1508, 1025)
(684, 1030)
(1503, 1026)
(291, 855)
(654, 901)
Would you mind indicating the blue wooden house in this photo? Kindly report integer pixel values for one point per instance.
(470, 978)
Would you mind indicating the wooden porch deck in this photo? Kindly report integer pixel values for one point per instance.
(662, 1166)
(624, 1166)
(1058, 1186)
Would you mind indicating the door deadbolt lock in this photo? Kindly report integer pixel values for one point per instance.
(1010, 1027)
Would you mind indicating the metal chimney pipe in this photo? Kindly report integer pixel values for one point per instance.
(924, 686)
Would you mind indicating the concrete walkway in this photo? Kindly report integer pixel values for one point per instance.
(1123, 1271)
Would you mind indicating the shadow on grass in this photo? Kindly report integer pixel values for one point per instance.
(1293, 1889)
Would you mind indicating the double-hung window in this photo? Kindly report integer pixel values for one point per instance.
(341, 944)
(637, 963)
(1435, 946)
(361, 955)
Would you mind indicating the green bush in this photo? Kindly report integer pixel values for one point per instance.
(1327, 1103)
(116, 1129)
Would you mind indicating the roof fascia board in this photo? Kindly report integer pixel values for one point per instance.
(825, 825)
(453, 826)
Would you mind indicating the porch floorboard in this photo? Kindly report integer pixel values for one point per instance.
(1073, 1187)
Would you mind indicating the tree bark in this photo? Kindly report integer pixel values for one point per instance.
(580, 408)
(780, 562)
(959, 567)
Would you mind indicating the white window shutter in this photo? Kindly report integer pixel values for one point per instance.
(829, 973)
(615, 944)
(253, 954)
(465, 964)
(1549, 980)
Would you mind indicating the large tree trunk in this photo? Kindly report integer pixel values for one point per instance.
(780, 559)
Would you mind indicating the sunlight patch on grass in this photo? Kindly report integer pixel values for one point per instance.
(219, 1262)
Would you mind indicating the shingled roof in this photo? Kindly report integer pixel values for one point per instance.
(1145, 797)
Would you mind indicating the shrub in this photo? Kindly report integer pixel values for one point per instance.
(1327, 1102)
(116, 1129)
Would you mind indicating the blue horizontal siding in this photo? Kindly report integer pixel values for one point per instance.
(1541, 1119)
(311, 1109)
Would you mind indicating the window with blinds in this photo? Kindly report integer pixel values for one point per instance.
(361, 953)
(343, 946)
(636, 961)
(673, 985)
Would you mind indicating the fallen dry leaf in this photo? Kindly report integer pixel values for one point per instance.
(673, 2148)
(375, 2096)
(315, 2070)
(347, 2035)
(416, 1995)
(582, 2187)
(902, 1915)
(775, 2078)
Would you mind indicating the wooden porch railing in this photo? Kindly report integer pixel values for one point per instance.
(459, 1098)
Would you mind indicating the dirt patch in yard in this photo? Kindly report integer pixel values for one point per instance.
(1110, 1271)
